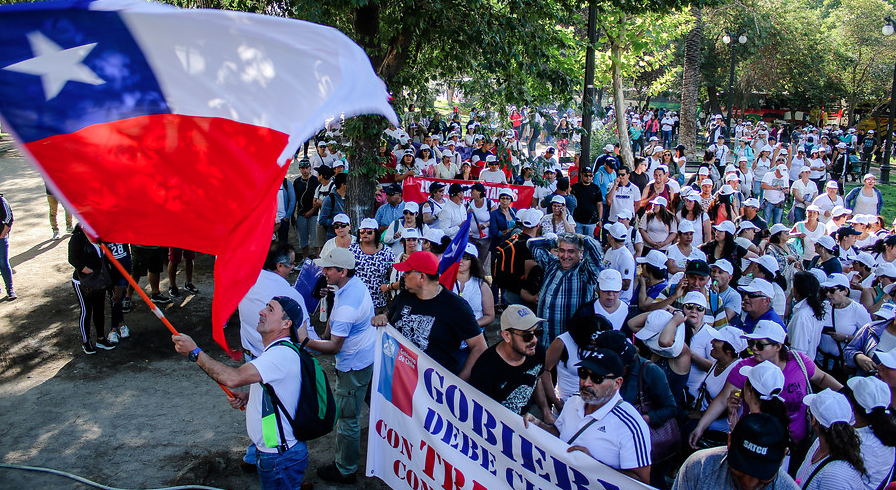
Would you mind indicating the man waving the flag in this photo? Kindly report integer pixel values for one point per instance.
(162, 126)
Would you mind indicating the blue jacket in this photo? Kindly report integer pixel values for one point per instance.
(289, 198)
(865, 342)
(854, 195)
(497, 225)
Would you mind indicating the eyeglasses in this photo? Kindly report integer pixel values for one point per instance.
(409, 212)
(757, 345)
(340, 225)
(755, 295)
(695, 307)
(830, 290)
(506, 198)
(528, 335)
(597, 379)
(365, 232)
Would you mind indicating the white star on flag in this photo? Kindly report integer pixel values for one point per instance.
(56, 66)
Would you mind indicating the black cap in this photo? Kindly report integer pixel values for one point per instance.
(699, 267)
(435, 186)
(602, 361)
(455, 189)
(325, 172)
(393, 189)
(616, 341)
(478, 186)
(680, 148)
(757, 446)
(292, 309)
(846, 231)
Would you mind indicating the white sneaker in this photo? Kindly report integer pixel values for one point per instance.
(113, 337)
(125, 332)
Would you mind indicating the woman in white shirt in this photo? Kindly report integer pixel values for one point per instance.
(694, 212)
(727, 344)
(559, 220)
(748, 177)
(411, 219)
(804, 191)
(425, 161)
(343, 237)
(875, 427)
(659, 226)
(828, 201)
(807, 232)
(807, 321)
(843, 318)
(761, 166)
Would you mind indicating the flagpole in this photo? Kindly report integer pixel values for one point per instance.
(155, 309)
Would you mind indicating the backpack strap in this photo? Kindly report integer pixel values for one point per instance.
(278, 405)
(816, 470)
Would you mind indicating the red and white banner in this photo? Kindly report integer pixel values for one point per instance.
(417, 189)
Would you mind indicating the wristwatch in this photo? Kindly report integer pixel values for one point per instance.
(194, 354)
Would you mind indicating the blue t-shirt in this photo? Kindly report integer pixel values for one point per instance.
(750, 323)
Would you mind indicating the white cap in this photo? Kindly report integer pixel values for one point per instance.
(655, 258)
(703, 171)
(767, 329)
(659, 201)
(619, 231)
(531, 218)
(609, 147)
(655, 323)
(840, 211)
(732, 335)
(760, 286)
(746, 225)
(411, 206)
(868, 176)
(609, 280)
(447, 153)
(742, 159)
(693, 196)
(726, 190)
(705, 182)
(805, 168)
(506, 192)
(813, 207)
(841, 145)
(425, 147)
(832, 184)
(686, 227)
(729, 177)
(778, 228)
(767, 148)
(724, 265)
(866, 259)
(491, 159)
(408, 233)
(766, 377)
(664, 168)
(827, 242)
(886, 269)
(368, 224)
(341, 218)
(888, 358)
(836, 280)
(767, 262)
(726, 226)
(752, 202)
(870, 392)
(558, 200)
(828, 407)
(819, 275)
(694, 298)
(625, 214)
(658, 149)
(472, 250)
(434, 235)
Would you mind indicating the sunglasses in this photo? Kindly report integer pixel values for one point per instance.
(340, 225)
(830, 290)
(755, 295)
(409, 212)
(695, 307)
(757, 345)
(597, 379)
(365, 232)
(528, 335)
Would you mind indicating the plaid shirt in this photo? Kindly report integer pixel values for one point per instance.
(563, 291)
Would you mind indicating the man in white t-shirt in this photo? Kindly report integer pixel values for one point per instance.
(279, 367)
(492, 174)
(623, 195)
(620, 259)
(775, 186)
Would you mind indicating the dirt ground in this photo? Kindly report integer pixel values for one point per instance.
(140, 416)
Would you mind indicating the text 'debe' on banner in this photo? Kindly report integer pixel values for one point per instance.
(417, 189)
(431, 430)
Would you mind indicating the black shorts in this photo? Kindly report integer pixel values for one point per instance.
(117, 278)
(152, 260)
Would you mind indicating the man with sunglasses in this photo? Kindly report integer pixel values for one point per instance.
(508, 372)
(599, 422)
(756, 304)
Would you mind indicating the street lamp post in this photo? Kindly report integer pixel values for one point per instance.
(888, 30)
(728, 38)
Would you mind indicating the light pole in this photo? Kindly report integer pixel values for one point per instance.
(728, 38)
(588, 95)
(888, 30)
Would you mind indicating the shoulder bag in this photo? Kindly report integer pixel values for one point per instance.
(665, 440)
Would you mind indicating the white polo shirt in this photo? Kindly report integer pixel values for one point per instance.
(619, 437)
(621, 260)
(280, 367)
(350, 319)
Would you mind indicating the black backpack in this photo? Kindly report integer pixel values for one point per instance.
(508, 267)
(316, 411)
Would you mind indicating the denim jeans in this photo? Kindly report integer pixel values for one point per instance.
(283, 471)
(799, 214)
(771, 213)
(351, 389)
(5, 268)
(306, 229)
(587, 230)
(667, 139)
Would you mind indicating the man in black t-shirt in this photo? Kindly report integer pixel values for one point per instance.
(432, 317)
(589, 207)
(508, 371)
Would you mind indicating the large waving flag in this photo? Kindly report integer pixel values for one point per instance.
(163, 126)
(450, 260)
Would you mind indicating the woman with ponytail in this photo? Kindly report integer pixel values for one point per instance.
(875, 426)
(834, 460)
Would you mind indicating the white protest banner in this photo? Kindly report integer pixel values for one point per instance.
(430, 430)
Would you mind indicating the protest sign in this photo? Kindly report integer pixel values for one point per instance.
(429, 429)
(417, 189)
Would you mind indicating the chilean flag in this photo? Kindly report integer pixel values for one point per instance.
(170, 127)
(450, 260)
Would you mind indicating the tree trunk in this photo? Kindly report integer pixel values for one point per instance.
(625, 143)
(690, 86)
(714, 106)
(360, 187)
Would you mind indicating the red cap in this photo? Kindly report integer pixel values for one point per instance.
(422, 261)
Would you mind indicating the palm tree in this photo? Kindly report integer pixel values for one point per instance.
(690, 86)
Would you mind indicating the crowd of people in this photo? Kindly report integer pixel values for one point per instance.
(730, 327)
